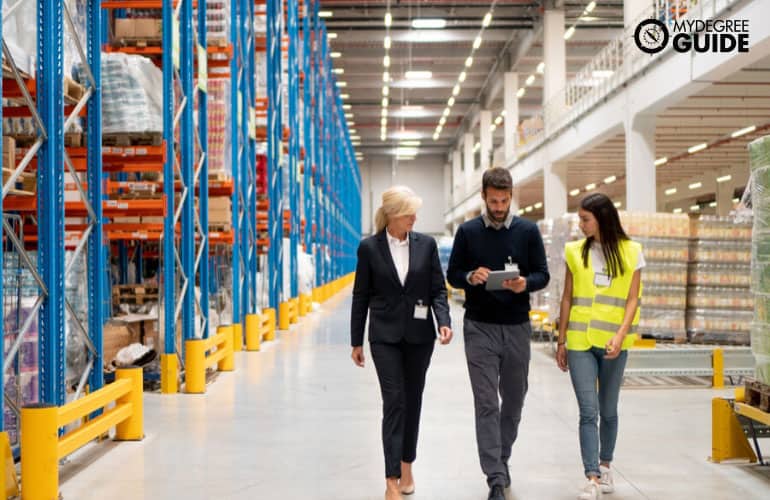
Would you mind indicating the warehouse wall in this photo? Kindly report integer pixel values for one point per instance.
(425, 175)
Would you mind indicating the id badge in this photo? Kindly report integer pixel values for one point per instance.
(420, 311)
(603, 280)
(511, 267)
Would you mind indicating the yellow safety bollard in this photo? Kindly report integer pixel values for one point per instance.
(195, 366)
(283, 316)
(253, 337)
(39, 451)
(270, 335)
(302, 305)
(294, 310)
(718, 363)
(228, 330)
(237, 337)
(728, 441)
(227, 363)
(9, 483)
(169, 373)
(132, 429)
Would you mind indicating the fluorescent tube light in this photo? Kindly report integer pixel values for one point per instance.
(697, 147)
(670, 191)
(661, 161)
(743, 131)
(418, 75)
(568, 34)
(487, 20)
(610, 179)
(724, 178)
(428, 24)
(696, 185)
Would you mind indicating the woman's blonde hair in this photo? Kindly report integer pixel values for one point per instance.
(396, 201)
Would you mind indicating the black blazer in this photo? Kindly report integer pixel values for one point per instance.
(379, 292)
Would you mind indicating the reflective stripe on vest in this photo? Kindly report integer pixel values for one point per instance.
(597, 313)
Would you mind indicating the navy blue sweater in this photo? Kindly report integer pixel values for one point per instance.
(475, 246)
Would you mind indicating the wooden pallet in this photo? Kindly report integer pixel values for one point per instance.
(71, 140)
(138, 42)
(126, 139)
(758, 395)
(220, 228)
(134, 294)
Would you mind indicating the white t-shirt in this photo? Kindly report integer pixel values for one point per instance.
(600, 265)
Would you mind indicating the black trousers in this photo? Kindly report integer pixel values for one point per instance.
(401, 369)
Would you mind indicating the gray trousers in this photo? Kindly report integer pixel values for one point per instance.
(498, 362)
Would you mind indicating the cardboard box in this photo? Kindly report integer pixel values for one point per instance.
(116, 336)
(220, 203)
(9, 156)
(138, 28)
(127, 220)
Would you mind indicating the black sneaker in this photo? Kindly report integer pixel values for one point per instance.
(496, 493)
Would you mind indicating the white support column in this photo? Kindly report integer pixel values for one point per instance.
(555, 58)
(485, 121)
(555, 190)
(633, 11)
(457, 176)
(724, 193)
(468, 166)
(447, 186)
(511, 104)
(641, 188)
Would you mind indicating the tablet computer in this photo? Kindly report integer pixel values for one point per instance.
(496, 278)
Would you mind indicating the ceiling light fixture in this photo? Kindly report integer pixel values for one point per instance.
(661, 161)
(344, 96)
(696, 185)
(385, 90)
(697, 147)
(477, 43)
(694, 208)
(713, 204)
(384, 122)
(743, 131)
(342, 84)
(568, 34)
(435, 136)
(442, 121)
(670, 191)
(332, 36)
(469, 62)
(677, 210)
(617, 204)
(521, 92)
(591, 6)
(498, 120)
(446, 112)
(336, 55)
(346, 106)
(590, 187)
(386, 43)
(418, 75)
(409, 143)
(451, 102)
(736, 200)
(325, 13)
(724, 178)
(339, 71)
(428, 24)
(348, 115)
(492, 127)
(456, 90)
(610, 179)
(487, 20)
(538, 205)
(386, 77)
(574, 192)
(530, 80)
(386, 61)
(540, 67)
(384, 102)
(388, 19)
(462, 77)
(528, 209)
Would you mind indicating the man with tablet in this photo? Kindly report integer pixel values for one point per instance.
(498, 259)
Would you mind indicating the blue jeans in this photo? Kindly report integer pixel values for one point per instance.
(587, 368)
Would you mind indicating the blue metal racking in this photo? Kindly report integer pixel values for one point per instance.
(275, 151)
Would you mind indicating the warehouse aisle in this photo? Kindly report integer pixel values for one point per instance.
(299, 421)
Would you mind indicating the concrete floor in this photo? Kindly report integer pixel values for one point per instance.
(298, 421)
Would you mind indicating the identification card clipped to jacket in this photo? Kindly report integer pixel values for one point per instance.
(602, 280)
(420, 311)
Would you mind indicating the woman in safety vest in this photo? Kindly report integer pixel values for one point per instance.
(602, 291)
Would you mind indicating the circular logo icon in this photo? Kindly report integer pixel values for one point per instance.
(651, 36)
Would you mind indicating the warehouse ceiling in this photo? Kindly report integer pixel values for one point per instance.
(711, 116)
(416, 101)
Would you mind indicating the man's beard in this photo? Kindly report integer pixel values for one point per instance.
(498, 217)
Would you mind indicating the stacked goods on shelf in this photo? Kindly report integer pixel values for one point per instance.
(556, 233)
(664, 279)
(759, 155)
(219, 154)
(719, 305)
(217, 22)
(132, 99)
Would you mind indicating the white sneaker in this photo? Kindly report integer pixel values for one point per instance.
(606, 481)
(591, 491)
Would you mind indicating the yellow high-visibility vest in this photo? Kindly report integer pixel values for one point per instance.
(597, 312)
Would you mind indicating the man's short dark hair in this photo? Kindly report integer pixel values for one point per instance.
(497, 178)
